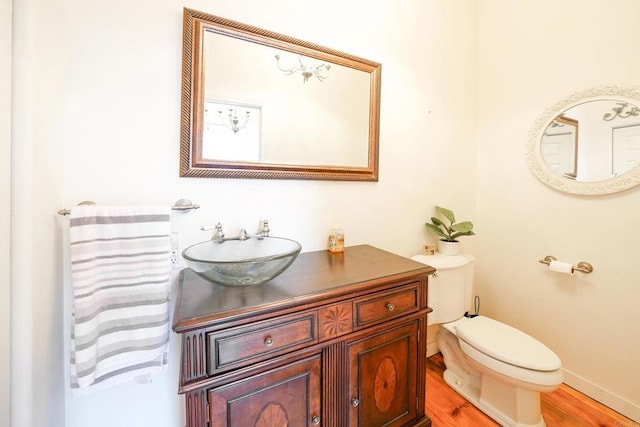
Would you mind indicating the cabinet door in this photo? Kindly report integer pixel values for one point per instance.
(287, 396)
(382, 378)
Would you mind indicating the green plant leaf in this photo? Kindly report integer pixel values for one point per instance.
(437, 221)
(467, 233)
(436, 229)
(446, 213)
(451, 231)
(463, 227)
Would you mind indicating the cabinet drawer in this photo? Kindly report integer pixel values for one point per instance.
(241, 346)
(386, 305)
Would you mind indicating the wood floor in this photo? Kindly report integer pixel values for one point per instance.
(564, 407)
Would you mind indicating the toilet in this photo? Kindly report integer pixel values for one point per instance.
(498, 368)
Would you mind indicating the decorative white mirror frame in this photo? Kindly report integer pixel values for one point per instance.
(540, 169)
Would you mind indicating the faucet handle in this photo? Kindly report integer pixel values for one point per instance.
(211, 227)
(219, 235)
(264, 231)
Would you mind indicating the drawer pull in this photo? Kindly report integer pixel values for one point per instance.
(355, 402)
(390, 306)
(315, 420)
(268, 341)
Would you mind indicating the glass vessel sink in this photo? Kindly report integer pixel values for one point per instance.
(242, 262)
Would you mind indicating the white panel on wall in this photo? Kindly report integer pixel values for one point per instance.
(5, 202)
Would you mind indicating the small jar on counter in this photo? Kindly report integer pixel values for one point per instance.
(336, 240)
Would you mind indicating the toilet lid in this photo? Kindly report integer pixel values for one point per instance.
(507, 344)
(444, 262)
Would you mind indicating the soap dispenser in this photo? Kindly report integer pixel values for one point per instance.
(335, 242)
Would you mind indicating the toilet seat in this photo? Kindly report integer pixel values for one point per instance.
(507, 344)
(507, 393)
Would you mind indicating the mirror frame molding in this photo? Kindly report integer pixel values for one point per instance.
(538, 166)
(192, 105)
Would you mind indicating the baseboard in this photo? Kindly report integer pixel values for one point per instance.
(432, 345)
(607, 398)
(432, 348)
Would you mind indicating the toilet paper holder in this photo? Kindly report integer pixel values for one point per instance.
(583, 267)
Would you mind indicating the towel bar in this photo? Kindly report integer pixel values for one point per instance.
(180, 205)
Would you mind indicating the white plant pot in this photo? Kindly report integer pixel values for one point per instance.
(448, 248)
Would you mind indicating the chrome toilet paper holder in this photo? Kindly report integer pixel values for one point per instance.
(583, 267)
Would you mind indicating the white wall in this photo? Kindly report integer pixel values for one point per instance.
(533, 54)
(95, 115)
(98, 118)
(36, 190)
(5, 206)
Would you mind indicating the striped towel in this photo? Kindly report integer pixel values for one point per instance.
(120, 268)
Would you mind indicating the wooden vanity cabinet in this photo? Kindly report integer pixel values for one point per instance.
(289, 395)
(336, 340)
(382, 378)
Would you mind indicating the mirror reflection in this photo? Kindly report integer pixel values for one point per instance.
(231, 131)
(593, 141)
(589, 142)
(258, 104)
(295, 94)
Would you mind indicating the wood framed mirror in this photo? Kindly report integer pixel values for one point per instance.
(259, 104)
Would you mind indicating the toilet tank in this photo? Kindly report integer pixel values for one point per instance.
(450, 287)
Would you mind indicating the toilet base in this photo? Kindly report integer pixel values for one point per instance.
(506, 400)
(474, 395)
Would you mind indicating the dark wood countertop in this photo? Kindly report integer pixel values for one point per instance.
(313, 276)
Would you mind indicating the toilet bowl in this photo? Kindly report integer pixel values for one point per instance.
(497, 367)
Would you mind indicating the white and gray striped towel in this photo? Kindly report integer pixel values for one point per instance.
(120, 268)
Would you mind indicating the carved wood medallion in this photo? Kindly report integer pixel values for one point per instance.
(335, 321)
(273, 415)
(384, 384)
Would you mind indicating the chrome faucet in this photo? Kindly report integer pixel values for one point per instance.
(218, 236)
(264, 231)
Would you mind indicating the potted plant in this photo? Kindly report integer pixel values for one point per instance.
(449, 231)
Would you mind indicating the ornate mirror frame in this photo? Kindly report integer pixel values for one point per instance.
(540, 169)
(192, 163)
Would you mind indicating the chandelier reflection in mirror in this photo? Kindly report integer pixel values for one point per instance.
(231, 130)
(231, 121)
(553, 125)
(623, 110)
(307, 67)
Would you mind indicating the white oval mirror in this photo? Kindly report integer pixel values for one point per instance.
(589, 143)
